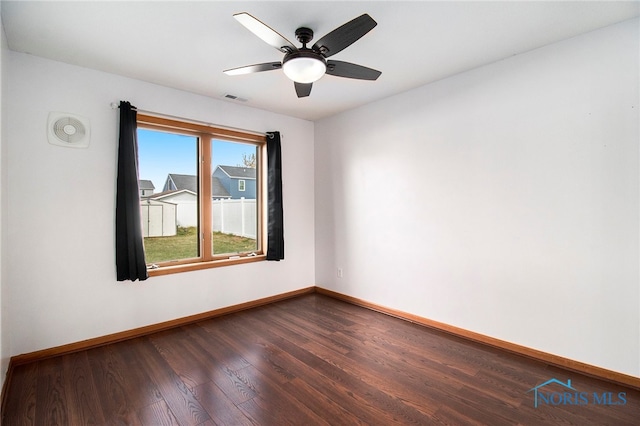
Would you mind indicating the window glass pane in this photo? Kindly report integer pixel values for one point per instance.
(168, 171)
(234, 209)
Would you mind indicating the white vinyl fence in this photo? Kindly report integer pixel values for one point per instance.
(237, 217)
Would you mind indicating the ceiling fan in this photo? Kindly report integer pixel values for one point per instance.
(305, 65)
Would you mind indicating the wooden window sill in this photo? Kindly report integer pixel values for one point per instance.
(186, 267)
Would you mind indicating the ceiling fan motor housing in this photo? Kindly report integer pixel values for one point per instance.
(304, 35)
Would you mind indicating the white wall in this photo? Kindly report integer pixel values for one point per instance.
(4, 332)
(504, 200)
(61, 203)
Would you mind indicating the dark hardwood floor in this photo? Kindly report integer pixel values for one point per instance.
(306, 361)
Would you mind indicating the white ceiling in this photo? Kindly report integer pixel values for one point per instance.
(187, 45)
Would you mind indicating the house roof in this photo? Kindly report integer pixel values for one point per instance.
(163, 194)
(217, 190)
(190, 183)
(239, 172)
(153, 200)
(145, 184)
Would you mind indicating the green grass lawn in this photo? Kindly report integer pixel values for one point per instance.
(185, 245)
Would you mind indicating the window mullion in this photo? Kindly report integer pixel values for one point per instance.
(205, 196)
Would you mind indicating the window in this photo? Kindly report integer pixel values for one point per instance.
(197, 219)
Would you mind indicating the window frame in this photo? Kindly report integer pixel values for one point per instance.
(242, 185)
(206, 134)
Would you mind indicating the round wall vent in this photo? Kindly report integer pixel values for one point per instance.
(68, 130)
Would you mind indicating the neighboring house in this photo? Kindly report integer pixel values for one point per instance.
(176, 182)
(146, 187)
(230, 214)
(181, 190)
(239, 182)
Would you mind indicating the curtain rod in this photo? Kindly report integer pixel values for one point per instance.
(157, 114)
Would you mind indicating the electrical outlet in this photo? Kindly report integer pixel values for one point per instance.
(339, 272)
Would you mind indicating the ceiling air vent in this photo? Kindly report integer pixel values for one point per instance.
(235, 98)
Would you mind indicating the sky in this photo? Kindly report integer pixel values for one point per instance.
(161, 153)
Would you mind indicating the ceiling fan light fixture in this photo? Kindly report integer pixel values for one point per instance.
(304, 66)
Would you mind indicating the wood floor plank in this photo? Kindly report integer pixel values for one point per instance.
(233, 387)
(208, 355)
(273, 398)
(222, 409)
(83, 397)
(303, 327)
(309, 360)
(363, 377)
(178, 356)
(321, 404)
(21, 401)
(174, 391)
(257, 352)
(158, 414)
(140, 388)
(304, 367)
(218, 352)
(52, 405)
(110, 376)
(330, 377)
(365, 365)
(259, 416)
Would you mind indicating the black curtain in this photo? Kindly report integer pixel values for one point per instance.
(130, 261)
(275, 227)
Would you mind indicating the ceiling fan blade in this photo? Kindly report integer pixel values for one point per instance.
(345, 35)
(266, 33)
(249, 69)
(303, 89)
(349, 70)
